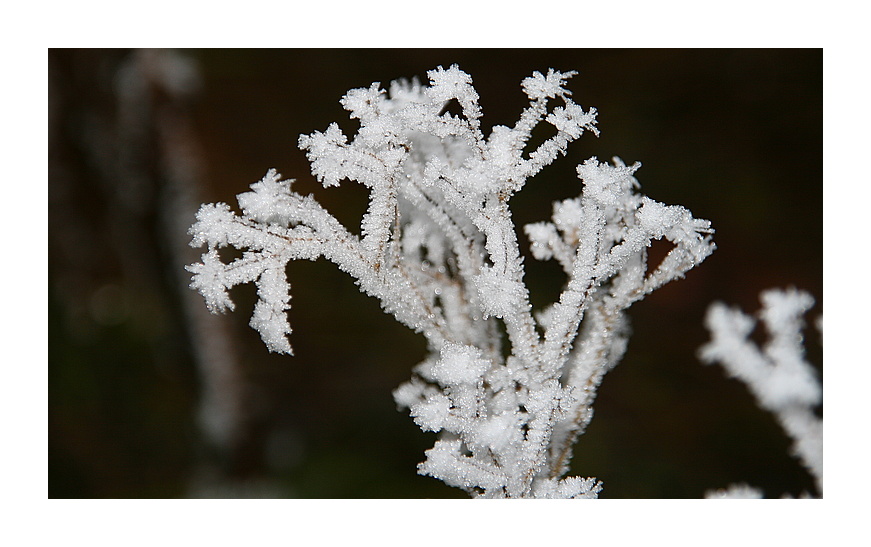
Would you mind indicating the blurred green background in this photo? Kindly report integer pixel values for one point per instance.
(138, 406)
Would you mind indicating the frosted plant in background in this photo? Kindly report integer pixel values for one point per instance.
(778, 375)
(439, 249)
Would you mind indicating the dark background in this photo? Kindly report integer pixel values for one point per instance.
(733, 135)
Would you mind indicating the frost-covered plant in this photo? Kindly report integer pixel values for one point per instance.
(778, 375)
(439, 249)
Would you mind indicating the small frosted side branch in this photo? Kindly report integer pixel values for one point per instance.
(600, 239)
(270, 228)
(778, 375)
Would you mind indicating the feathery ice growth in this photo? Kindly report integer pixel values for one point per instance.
(438, 248)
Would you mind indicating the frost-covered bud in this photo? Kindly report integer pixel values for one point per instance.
(433, 413)
(211, 225)
(409, 393)
(497, 432)
(453, 83)
(263, 202)
(364, 103)
(572, 120)
(459, 364)
(209, 280)
(538, 86)
(324, 152)
(503, 150)
(605, 183)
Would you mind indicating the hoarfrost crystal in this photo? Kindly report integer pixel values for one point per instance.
(439, 249)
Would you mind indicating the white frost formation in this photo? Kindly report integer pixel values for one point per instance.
(778, 375)
(439, 249)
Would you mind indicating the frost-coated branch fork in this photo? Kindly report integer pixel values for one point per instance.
(439, 249)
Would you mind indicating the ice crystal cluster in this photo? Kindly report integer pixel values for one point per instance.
(780, 378)
(438, 248)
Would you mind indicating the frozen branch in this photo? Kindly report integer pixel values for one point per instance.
(439, 249)
(778, 375)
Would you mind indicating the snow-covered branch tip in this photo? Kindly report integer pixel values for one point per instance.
(439, 249)
(782, 380)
